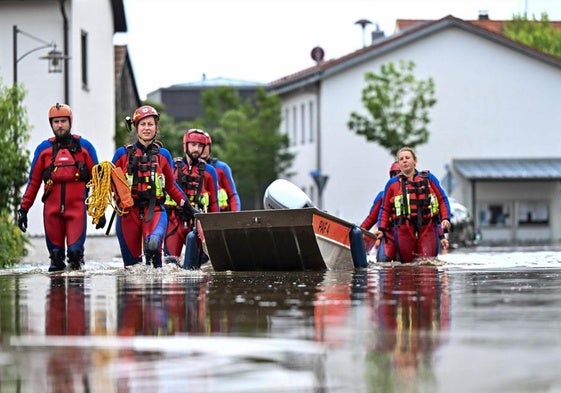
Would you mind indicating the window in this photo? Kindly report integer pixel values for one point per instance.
(84, 53)
(495, 214)
(294, 125)
(533, 212)
(311, 119)
(303, 122)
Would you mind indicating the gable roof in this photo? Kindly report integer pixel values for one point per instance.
(496, 26)
(509, 169)
(413, 33)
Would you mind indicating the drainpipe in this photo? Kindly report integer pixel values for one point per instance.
(65, 51)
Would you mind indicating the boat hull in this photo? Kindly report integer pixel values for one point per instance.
(278, 240)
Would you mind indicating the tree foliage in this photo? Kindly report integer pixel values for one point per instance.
(246, 135)
(14, 165)
(398, 107)
(539, 34)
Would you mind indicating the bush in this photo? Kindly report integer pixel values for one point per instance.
(12, 241)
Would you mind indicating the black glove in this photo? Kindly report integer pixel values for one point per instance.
(101, 223)
(22, 219)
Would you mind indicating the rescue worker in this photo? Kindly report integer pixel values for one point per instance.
(416, 210)
(149, 170)
(64, 164)
(372, 219)
(228, 198)
(194, 176)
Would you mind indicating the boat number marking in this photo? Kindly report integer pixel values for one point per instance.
(323, 226)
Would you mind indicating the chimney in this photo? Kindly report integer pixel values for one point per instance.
(483, 15)
(377, 34)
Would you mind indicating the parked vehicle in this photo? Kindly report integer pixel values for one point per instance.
(462, 231)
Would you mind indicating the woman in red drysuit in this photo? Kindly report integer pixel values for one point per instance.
(416, 210)
(192, 174)
(64, 163)
(149, 171)
(372, 218)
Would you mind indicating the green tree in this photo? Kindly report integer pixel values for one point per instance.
(254, 147)
(246, 135)
(398, 107)
(14, 165)
(539, 34)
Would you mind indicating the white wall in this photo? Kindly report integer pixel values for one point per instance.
(493, 102)
(94, 108)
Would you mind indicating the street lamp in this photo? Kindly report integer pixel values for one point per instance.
(54, 57)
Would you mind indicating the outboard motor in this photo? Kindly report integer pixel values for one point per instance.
(282, 194)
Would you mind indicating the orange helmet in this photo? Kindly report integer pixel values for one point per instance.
(394, 169)
(60, 110)
(142, 112)
(194, 135)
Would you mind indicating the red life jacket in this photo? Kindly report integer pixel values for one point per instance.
(65, 167)
(144, 173)
(191, 180)
(415, 205)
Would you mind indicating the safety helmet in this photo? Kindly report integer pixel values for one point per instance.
(60, 110)
(194, 135)
(142, 112)
(209, 144)
(394, 169)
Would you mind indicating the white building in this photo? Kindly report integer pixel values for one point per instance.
(497, 100)
(83, 31)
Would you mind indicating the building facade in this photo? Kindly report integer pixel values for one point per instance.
(83, 31)
(496, 99)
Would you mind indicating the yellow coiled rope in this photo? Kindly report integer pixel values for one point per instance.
(101, 194)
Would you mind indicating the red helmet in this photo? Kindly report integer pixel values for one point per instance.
(142, 112)
(194, 135)
(209, 139)
(60, 110)
(394, 169)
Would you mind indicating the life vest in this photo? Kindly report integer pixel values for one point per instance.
(417, 204)
(144, 174)
(191, 181)
(223, 201)
(65, 167)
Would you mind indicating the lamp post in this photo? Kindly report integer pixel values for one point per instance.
(54, 57)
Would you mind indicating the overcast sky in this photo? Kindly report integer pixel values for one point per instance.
(177, 41)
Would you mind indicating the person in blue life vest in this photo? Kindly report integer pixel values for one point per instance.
(63, 163)
(149, 171)
(415, 210)
(197, 180)
(373, 216)
(228, 198)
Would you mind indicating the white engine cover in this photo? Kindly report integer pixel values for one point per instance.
(282, 194)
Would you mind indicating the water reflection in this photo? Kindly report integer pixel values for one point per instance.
(66, 307)
(412, 315)
(393, 318)
(154, 307)
(347, 331)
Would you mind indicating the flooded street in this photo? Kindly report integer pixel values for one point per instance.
(482, 320)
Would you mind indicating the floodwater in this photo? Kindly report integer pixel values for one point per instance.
(478, 320)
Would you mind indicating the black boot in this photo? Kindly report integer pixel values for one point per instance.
(153, 258)
(75, 259)
(57, 261)
(152, 252)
